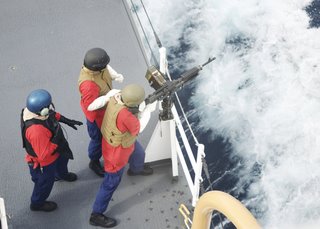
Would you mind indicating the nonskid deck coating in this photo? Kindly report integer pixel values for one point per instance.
(42, 44)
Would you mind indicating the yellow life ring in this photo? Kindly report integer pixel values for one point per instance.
(232, 208)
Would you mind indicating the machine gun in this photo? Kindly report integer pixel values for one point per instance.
(165, 89)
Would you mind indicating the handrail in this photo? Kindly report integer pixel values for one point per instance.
(3, 216)
(232, 208)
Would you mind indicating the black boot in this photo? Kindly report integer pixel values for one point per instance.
(102, 220)
(147, 170)
(47, 206)
(70, 177)
(96, 167)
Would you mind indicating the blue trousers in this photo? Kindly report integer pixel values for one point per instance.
(110, 183)
(94, 148)
(136, 160)
(44, 179)
(112, 180)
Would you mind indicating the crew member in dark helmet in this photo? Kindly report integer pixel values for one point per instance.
(95, 79)
(120, 128)
(48, 151)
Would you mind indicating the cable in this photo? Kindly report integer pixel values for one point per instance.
(167, 70)
(154, 32)
(144, 33)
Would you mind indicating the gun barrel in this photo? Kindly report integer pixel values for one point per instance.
(208, 61)
(190, 74)
(169, 87)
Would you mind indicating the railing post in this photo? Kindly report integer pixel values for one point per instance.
(3, 216)
(174, 155)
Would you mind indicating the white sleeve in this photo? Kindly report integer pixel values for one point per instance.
(102, 100)
(114, 75)
(98, 103)
(144, 116)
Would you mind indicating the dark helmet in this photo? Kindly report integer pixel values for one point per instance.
(132, 95)
(38, 101)
(96, 59)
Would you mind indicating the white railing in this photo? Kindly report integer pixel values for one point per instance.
(196, 164)
(3, 216)
(194, 184)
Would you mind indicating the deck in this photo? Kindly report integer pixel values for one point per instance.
(42, 45)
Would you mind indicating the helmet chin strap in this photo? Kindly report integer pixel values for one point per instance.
(134, 110)
(44, 112)
(119, 99)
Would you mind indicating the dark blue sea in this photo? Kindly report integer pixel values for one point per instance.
(242, 108)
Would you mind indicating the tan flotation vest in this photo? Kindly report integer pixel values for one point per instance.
(102, 79)
(109, 129)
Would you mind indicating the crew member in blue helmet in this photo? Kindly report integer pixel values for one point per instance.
(48, 151)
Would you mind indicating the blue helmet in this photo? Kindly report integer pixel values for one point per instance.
(37, 100)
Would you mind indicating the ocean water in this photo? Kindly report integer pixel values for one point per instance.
(257, 106)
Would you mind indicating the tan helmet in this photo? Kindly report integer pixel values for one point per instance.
(132, 95)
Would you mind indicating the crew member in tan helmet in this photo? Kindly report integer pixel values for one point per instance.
(120, 128)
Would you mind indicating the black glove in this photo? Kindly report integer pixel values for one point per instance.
(69, 122)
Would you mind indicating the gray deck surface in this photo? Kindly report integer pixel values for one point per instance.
(42, 45)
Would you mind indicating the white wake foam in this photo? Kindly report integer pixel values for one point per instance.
(262, 93)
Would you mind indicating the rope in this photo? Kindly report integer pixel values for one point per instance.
(144, 33)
